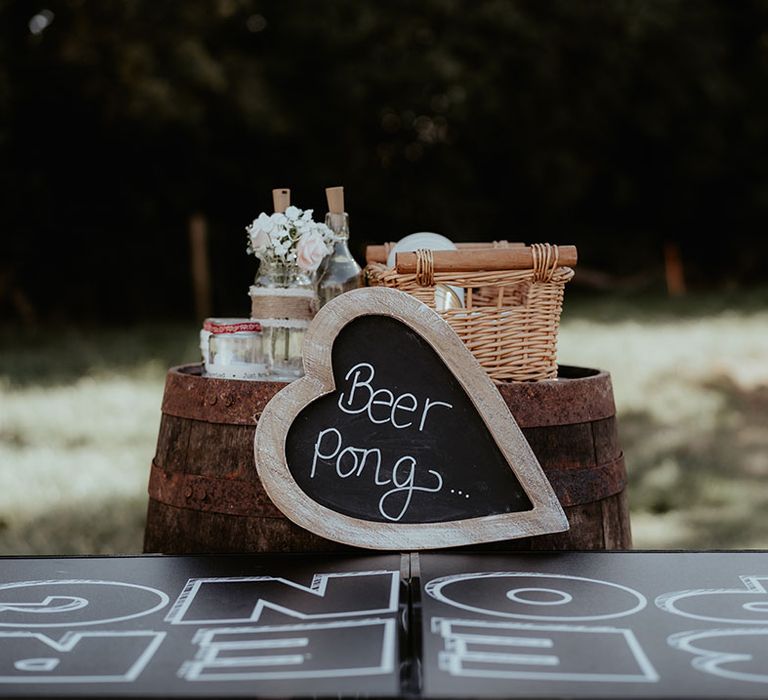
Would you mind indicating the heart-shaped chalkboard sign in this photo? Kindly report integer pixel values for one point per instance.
(396, 438)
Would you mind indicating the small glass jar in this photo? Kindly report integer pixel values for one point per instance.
(237, 350)
(205, 332)
(283, 300)
(284, 339)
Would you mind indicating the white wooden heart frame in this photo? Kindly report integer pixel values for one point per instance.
(546, 516)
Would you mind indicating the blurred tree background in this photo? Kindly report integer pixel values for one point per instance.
(617, 126)
(637, 130)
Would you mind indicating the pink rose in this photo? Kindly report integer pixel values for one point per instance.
(310, 251)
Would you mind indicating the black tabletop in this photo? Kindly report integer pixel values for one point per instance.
(449, 624)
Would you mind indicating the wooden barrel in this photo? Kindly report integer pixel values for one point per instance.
(205, 495)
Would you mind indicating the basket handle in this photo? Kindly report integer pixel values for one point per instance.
(380, 253)
(542, 258)
(425, 267)
(545, 261)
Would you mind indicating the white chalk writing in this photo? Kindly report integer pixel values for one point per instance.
(351, 462)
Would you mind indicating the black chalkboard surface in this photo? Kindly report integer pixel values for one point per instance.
(399, 439)
(455, 624)
(591, 625)
(200, 626)
(396, 438)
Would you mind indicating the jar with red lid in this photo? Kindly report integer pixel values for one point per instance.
(237, 349)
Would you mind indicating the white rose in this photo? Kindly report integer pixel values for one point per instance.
(259, 241)
(264, 222)
(258, 233)
(310, 251)
(292, 213)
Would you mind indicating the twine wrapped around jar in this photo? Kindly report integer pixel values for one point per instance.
(284, 301)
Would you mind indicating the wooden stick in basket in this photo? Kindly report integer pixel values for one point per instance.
(516, 258)
(378, 253)
(281, 198)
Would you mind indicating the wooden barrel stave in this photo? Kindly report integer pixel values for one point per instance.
(205, 495)
(173, 530)
(616, 526)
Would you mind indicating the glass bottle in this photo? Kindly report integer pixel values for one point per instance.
(283, 300)
(341, 271)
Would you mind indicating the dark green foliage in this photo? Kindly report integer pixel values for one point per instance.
(612, 125)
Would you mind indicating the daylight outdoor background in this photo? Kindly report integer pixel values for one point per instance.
(636, 130)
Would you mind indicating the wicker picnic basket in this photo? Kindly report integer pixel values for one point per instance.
(513, 296)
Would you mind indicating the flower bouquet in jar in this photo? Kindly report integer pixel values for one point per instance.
(290, 247)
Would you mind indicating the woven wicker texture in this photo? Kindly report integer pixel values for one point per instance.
(510, 318)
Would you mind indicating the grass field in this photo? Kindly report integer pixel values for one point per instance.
(79, 412)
